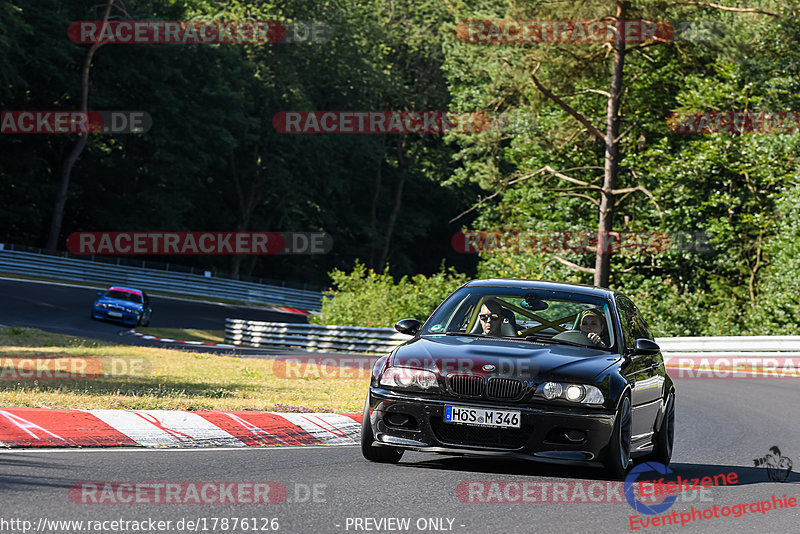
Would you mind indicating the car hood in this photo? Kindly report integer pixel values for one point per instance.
(119, 302)
(511, 358)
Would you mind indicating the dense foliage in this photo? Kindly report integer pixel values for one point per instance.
(366, 298)
(213, 160)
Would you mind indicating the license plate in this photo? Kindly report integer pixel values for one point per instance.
(114, 314)
(481, 417)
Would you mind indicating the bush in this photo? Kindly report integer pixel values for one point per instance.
(777, 306)
(366, 298)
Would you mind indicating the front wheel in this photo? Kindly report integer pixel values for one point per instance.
(383, 455)
(664, 438)
(618, 452)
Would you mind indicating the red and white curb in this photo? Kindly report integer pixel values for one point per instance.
(168, 340)
(42, 427)
(296, 310)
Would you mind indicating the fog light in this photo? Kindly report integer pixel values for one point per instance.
(575, 435)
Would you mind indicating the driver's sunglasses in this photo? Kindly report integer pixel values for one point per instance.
(486, 316)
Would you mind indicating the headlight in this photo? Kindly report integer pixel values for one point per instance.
(574, 393)
(578, 393)
(551, 390)
(405, 377)
(101, 305)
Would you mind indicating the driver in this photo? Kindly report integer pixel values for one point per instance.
(592, 323)
(491, 318)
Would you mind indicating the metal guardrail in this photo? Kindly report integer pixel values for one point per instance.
(366, 339)
(311, 337)
(730, 346)
(76, 270)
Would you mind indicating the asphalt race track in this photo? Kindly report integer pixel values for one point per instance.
(722, 425)
(65, 309)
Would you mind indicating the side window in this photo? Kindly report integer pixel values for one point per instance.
(627, 318)
(642, 328)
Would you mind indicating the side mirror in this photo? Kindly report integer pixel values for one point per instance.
(645, 347)
(407, 326)
(99, 293)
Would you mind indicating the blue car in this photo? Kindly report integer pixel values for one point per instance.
(123, 304)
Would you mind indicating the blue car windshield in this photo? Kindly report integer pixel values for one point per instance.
(520, 312)
(124, 295)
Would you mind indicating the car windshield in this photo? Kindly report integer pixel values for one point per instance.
(124, 295)
(537, 315)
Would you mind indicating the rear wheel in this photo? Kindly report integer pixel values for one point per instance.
(618, 452)
(664, 438)
(384, 455)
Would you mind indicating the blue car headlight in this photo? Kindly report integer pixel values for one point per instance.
(100, 305)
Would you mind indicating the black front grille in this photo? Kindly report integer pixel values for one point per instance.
(503, 388)
(468, 385)
(501, 438)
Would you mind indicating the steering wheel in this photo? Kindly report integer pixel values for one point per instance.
(578, 336)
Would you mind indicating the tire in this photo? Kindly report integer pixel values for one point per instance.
(665, 437)
(383, 455)
(618, 453)
(146, 323)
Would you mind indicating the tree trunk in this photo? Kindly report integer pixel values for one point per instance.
(246, 202)
(75, 153)
(398, 198)
(605, 223)
(373, 215)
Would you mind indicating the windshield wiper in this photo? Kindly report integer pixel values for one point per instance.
(465, 334)
(547, 339)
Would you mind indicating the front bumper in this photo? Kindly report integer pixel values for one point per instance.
(550, 434)
(125, 317)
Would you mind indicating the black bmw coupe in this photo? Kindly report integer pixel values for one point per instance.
(538, 370)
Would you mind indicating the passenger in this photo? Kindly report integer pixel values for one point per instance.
(491, 318)
(592, 323)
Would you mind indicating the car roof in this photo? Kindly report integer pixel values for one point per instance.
(126, 289)
(543, 285)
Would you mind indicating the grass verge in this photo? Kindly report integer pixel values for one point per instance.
(130, 377)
